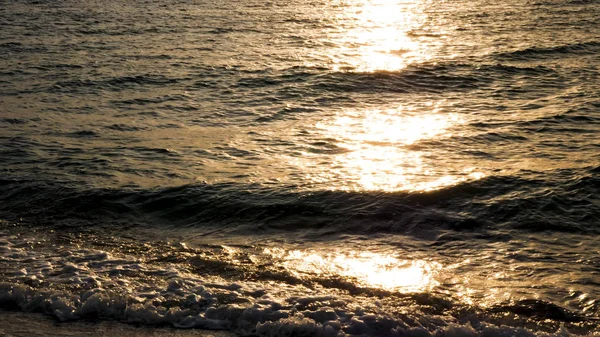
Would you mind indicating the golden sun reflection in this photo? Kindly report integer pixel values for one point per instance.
(379, 39)
(381, 155)
(388, 126)
(366, 269)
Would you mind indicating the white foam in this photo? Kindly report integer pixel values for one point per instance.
(74, 284)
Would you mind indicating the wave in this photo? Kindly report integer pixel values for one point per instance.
(126, 128)
(14, 121)
(115, 83)
(199, 307)
(303, 81)
(583, 48)
(433, 79)
(301, 316)
(492, 202)
(327, 85)
(209, 288)
(9, 48)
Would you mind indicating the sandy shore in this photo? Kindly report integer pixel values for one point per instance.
(29, 324)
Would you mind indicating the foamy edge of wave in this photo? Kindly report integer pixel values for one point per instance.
(258, 319)
(72, 283)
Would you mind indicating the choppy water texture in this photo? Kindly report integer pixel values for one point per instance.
(286, 168)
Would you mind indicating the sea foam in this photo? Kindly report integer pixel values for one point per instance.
(71, 283)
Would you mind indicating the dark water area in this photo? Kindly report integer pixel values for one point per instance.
(482, 204)
(318, 168)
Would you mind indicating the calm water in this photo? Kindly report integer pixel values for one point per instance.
(320, 168)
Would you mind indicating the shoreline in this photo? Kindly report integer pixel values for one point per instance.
(17, 324)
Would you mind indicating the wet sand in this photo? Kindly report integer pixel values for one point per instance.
(33, 324)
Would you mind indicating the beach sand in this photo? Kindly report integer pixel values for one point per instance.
(33, 324)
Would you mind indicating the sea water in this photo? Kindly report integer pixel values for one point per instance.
(310, 167)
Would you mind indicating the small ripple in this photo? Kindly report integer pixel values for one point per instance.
(126, 128)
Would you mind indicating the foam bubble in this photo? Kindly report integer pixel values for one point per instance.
(71, 283)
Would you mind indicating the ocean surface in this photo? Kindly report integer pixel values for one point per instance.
(301, 168)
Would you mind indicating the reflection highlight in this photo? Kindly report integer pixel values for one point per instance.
(388, 126)
(381, 153)
(366, 269)
(379, 39)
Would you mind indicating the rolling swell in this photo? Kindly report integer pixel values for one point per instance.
(414, 79)
(438, 78)
(584, 48)
(429, 78)
(494, 202)
(299, 81)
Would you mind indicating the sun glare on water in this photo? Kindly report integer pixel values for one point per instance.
(390, 126)
(379, 36)
(366, 269)
(381, 155)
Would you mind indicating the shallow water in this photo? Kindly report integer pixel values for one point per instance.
(318, 167)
